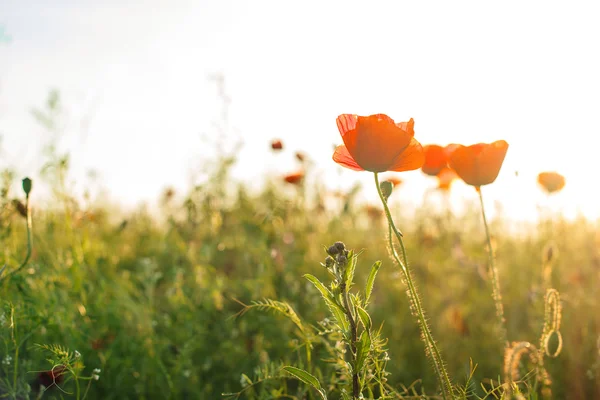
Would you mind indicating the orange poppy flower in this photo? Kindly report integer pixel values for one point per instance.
(480, 163)
(276, 144)
(393, 180)
(436, 158)
(377, 144)
(295, 178)
(445, 178)
(551, 181)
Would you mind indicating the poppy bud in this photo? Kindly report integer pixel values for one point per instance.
(27, 186)
(342, 259)
(340, 246)
(386, 189)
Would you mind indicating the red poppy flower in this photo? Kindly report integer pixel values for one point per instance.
(295, 178)
(480, 163)
(445, 178)
(551, 181)
(377, 144)
(393, 180)
(276, 144)
(436, 158)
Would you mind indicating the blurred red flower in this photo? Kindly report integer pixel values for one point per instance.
(295, 178)
(551, 181)
(276, 144)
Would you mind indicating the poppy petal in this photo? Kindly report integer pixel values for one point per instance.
(343, 157)
(408, 127)
(490, 160)
(346, 123)
(411, 158)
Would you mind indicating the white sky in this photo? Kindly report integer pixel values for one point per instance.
(467, 72)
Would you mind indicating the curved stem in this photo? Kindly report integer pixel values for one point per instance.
(431, 347)
(496, 295)
(29, 242)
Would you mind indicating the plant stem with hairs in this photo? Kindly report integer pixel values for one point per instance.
(29, 241)
(354, 333)
(430, 346)
(496, 295)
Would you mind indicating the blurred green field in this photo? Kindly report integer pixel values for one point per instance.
(150, 300)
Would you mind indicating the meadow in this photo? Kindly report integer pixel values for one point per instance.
(208, 297)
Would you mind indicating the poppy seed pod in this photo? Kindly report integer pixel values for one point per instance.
(27, 186)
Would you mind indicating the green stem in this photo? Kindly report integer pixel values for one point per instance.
(353, 328)
(496, 295)
(431, 347)
(29, 243)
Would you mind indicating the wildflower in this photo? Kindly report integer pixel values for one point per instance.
(435, 159)
(276, 144)
(294, 178)
(394, 180)
(445, 178)
(377, 144)
(480, 163)
(7, 360)
(551, 181)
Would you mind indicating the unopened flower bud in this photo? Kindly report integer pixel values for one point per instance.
(332, 250)
(386, 189)
(329, 262)
(342, 259)
(340, 246)
(27, 186)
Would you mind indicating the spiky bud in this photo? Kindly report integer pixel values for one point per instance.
(332, 250)
(340, 246)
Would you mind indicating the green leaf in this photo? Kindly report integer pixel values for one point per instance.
(363, 346)
(337, 310)
(371, 281)
(365, 318)
(350, 268)
(345, 395)
(306, 378)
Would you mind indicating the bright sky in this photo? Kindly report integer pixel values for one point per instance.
(133, 76)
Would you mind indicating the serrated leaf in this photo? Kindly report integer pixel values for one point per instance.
(306, 378)
(338, 312)
(319, 285)
(350, 268)
(365, 318)
(371, 281)
(363, 346)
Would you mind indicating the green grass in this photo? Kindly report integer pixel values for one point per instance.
(151, 301)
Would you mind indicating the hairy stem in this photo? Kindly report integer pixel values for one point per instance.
(415, 300)
(29, 242)
(353, 328)
(496, 295)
